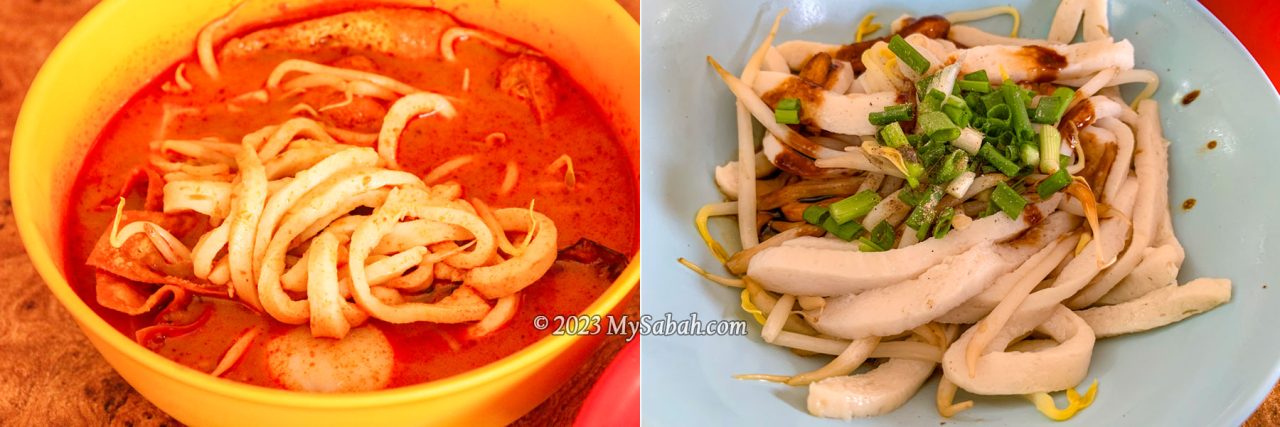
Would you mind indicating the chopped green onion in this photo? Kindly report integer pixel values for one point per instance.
(788, 104)
(787, 117)
(913, 196)
(923, 85)
(1046, 112)
(933, 100)
(914, 171)
(923, 232)
(918, 196)
(1027, 96)
(931, 152)
(844, 231)
(1001, 163)
(1006, 141)
(908, 55)
(787, 111)
(893, 135)
(925, 213)
(991, 209)
(899, 109)
(1054, 183)
(1030, 155)
(879, 118)
(934, 194)
(999, 111)
(970, 141)
(1018, 119)
(1008, 200)
(959, 115)
(943, 224)
(977, 123)
(1066, 95)
(974, 102)
(974, 86)
(976, 76)
(815, 214)
(921, 217)
(914, 139)
(938, 126)
(991, 100)
(945, 79)
(955, 164)
(892, 113)
(854, 207)
(995, 126)
(1018, 185)
(880, 240)
(1050, 146)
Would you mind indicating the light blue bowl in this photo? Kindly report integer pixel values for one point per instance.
(1212, 369)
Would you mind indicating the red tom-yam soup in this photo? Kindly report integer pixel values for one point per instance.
(361, 200)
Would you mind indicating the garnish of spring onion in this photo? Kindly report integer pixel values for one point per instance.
(1002, 163)
(945, 79)
(933, 100)
(953, 165)
(974, 86)
(786, 117)
(970, 141)
(1018, 119)
(908, 55)
(1050, 145)
(846, 231)
(1009, 201)
(1054, 183)
(1046, 111)
(892, 113)
(1030, 155)
(854, 207)
(787, 111)
(943, 225)
(881, 238)
(938, 126)
(893, 136)
(815, 214)
(956, 110)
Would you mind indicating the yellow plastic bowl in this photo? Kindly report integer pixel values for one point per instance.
(121, 44)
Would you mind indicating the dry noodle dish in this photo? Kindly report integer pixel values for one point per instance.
(350, 201)
(946, 197)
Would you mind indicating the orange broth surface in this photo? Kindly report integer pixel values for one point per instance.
(602, 206)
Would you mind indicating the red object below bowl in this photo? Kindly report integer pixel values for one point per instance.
(615, 399)
(1256, 23)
